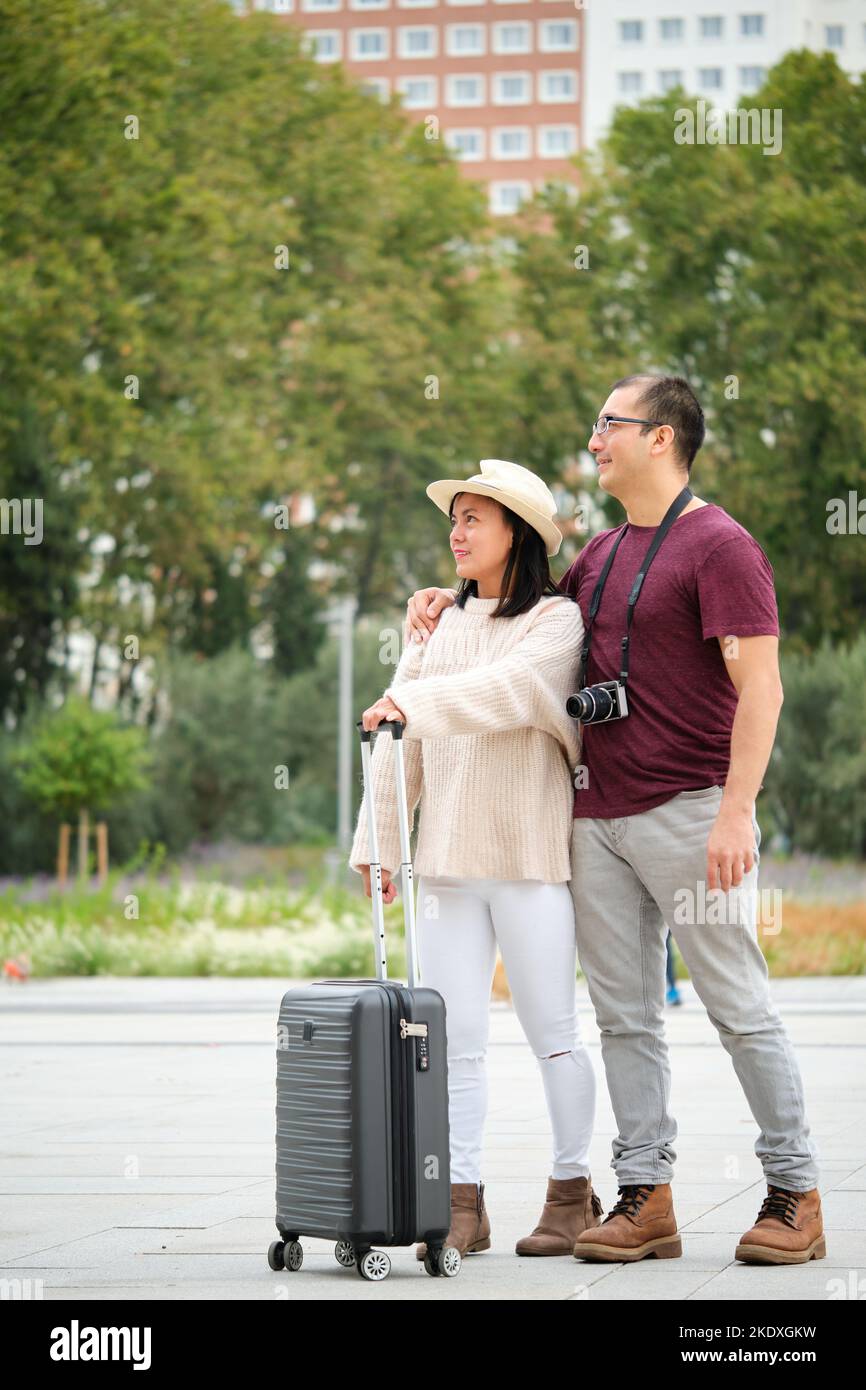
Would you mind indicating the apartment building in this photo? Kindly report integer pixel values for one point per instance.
(501, 78)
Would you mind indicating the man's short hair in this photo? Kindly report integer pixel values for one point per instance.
(671, 401)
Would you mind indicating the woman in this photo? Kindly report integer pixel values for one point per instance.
(489, 752)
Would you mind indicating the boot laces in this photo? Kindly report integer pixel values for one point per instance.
(630, 1200)
(781, 1204)
(597, 1208)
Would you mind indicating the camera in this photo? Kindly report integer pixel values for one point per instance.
(597, 704)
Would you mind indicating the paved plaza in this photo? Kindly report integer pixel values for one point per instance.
(137, 1152)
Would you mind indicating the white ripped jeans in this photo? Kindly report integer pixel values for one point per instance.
(460, 921)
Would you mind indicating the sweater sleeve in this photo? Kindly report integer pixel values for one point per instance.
(526, 688)
(383, 779)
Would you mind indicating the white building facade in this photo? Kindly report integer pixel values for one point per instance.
(715, 49)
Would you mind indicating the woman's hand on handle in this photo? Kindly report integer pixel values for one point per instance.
(389, 889)
(384, 708)
(423, 611)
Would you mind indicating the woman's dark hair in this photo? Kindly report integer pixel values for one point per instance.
(527, 574)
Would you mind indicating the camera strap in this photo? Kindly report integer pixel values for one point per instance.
(680, 501)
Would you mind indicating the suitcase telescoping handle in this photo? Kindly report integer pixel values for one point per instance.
(395, 728)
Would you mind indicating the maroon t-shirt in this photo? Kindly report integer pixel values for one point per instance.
(709, 579)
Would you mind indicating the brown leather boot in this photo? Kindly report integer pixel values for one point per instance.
(570, 1207)
(789, 1230)
(641, 1223)
(470, 1224)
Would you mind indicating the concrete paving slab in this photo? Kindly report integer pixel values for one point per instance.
(137, 1152)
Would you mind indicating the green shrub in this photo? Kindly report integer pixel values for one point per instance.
(229, 722)
(815, 787)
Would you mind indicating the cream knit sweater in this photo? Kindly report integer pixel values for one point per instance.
(488, 747)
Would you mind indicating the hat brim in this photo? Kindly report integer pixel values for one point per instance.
(444, 489)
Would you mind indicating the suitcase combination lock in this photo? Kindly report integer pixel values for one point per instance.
(419, 1031)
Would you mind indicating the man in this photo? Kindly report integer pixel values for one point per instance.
(664, 833)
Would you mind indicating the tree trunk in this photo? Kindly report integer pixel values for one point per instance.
(94, 672)
(83, 839)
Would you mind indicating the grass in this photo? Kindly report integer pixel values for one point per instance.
(818, 939)
(274, 923)
(198, 928)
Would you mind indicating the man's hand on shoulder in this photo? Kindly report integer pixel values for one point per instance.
(423, 609)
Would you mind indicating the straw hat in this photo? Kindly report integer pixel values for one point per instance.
(512, 485)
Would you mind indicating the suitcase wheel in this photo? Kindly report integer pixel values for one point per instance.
(287, 1255)
(444, 1261)
(293, 1256)
(374, 1265)
(344, 1251)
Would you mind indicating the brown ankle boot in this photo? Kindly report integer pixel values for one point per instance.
(789, 1230)
(570, 1208)
(641, 1223)
(470, 1224)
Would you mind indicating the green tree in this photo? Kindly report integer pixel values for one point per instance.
(79, 761)
(743, 271)
(38, 574)
(293, 607)
(229, 276)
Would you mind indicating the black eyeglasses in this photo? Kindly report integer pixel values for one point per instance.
(601, 424)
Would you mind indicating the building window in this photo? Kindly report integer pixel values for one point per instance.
(512, 88)
(710, 79)
(670, 78)
(557, 86)
(506, 198)
(512, 38)
(316, 6)
(511, 142)
(418, 93)
(368, 45)
(751, 79)
(465, 89)
(557, 141)
(751, 26)
(369, 4)
(711, 26)
(466, 2)
(631, 31)
(629, 84)
(671, 30)
(418, 43)
(465, 40)
(467, 144)
(417, 4)
(834, 35)
(376, 87)
(325, 44)
(557, 36)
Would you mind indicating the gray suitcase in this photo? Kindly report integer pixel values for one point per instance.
(362, 1097)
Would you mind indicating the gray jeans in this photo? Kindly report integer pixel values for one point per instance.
(632, 878)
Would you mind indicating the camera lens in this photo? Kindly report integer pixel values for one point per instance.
(591, 705)
(580, 706)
